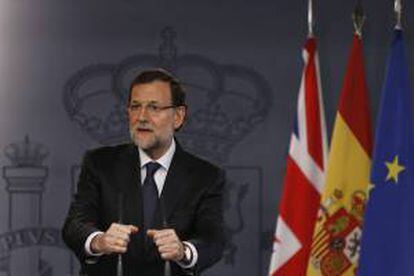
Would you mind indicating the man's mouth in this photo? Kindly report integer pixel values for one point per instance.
(143, 129)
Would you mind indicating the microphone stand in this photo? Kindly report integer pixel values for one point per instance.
(167, 264)
(119, 266)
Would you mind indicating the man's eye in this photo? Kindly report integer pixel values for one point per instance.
(135, 106)
(152, 108)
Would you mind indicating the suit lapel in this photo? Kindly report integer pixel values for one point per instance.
(130, 183)
(176, 182)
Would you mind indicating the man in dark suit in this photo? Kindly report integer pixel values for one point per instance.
(150, 201)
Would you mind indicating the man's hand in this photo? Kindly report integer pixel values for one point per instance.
(169, 245)
(114, 240)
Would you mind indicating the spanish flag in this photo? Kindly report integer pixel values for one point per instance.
(336, 238)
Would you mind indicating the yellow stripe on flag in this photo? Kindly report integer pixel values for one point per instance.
(342, 206)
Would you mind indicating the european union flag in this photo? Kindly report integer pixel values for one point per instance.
(387, 246)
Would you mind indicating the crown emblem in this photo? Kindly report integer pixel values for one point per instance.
(26, 153)
(226, 102)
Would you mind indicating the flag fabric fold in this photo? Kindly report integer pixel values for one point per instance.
(387, 246)
(335, 244)
(305, 170)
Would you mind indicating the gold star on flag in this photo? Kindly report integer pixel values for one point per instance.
(394, 169)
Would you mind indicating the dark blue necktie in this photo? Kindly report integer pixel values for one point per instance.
(150, 194)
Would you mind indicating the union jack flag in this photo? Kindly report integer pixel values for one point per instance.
(305, 174)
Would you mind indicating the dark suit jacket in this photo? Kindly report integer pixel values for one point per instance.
(109, 187)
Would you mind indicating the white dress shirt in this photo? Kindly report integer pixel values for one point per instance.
(159, 177)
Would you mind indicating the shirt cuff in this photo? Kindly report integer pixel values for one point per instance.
(191, 255)
(88, 244)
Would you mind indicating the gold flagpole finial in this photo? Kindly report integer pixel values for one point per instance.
(358, 18)
(398, 13)
(310, 18)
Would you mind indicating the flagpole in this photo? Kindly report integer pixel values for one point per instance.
(398, 12)
(310, 18)
(358, 18)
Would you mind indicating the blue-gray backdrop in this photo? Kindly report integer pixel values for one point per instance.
(64, 71)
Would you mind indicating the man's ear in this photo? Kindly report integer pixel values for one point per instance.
(180, 117)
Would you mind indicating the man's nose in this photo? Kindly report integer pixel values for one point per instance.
(143, 114)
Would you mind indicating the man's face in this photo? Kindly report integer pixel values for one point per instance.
(152, 125)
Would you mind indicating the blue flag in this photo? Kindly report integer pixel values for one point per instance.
(387, 245)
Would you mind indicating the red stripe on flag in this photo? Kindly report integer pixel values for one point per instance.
(298, 208)
(320, 242)
(313, 112)
(353, 105)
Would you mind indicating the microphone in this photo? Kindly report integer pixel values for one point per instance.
(120, 215)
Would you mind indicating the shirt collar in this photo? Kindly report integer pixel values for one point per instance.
(164, 161)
